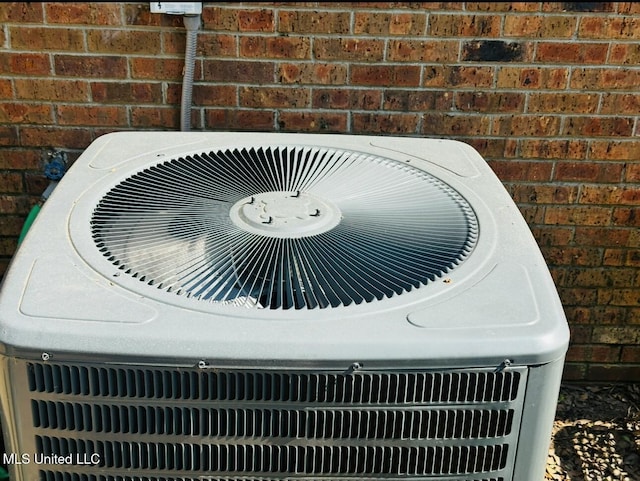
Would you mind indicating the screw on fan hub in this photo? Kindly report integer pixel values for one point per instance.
(285, 214)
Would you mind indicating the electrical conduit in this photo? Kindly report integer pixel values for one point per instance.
(192, 24)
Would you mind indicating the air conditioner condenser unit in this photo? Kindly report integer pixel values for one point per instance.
(245, 306)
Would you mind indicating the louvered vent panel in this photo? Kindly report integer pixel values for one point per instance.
(57, 476)
(244, 425)
(284, 227)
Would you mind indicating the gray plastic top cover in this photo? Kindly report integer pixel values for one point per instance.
(248, 247)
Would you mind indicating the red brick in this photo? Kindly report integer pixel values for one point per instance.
(538, 26)
(533, 78)
(598, 127)
(620, 104)
(21, 12)
(625, 54)
(579, 53)
(11, 183)
(140, 15)
(578, 215)
(6, 91)
(574, 372)
(384, 75)
(126, 92)
(552, 235)
(274, 97)
(173, 94)
(313, 21)
(491, 148)
(544, 194)
(91, 115)
(215, 95)
(609, 194)
(312, 121)
(174, 43)
(578, 297)
(155, 117)
(417, 100)
(93, 67)
(633, 173)
(11, 225)
(614, 150)
(446, 25)
(605, 78)
(552, 149)
(621, 297)
(256, 20)
(347, 99)
(254, 120)
(455, 125)
(348, 49)
(217, 45)
(526, 125)
(563, 103)
(153, 68)
(593, 353)
(15, 204)
(374, 123)
(25, 63)
(35, 184)
(599, 277)
(21, 113)
(532, 214)
(628, 7)
(8, 135)
(621, 257)
(52, 89)
(43, 38)
(586, 171)
(20, 159)
(626, 217)
(601, 236)
(630, 354)
(220, 19)
(123, 42)
(502, 6)
(490, 102)
(98, 13)
(238, 71)
(608, 28)
(315, 73)
(275, 47)
(470, 76)
(441, 51)
(522, 170)
(373, 23)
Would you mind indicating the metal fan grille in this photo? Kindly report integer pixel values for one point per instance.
(284, 227)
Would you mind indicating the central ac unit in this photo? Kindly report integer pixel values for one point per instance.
(242, 306)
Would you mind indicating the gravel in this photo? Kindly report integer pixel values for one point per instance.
(596, 434)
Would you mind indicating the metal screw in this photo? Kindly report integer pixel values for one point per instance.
(45, 356)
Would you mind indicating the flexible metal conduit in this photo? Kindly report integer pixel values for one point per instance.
(192, 24)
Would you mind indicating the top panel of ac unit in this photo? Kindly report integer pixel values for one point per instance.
(309, 242)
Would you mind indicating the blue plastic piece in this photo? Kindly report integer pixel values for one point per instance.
(55, 169)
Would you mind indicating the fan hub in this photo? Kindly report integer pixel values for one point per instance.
(285, 214)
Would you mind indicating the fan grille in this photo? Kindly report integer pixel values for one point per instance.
(284, 227)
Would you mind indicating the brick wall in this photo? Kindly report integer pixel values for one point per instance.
(547, 92)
